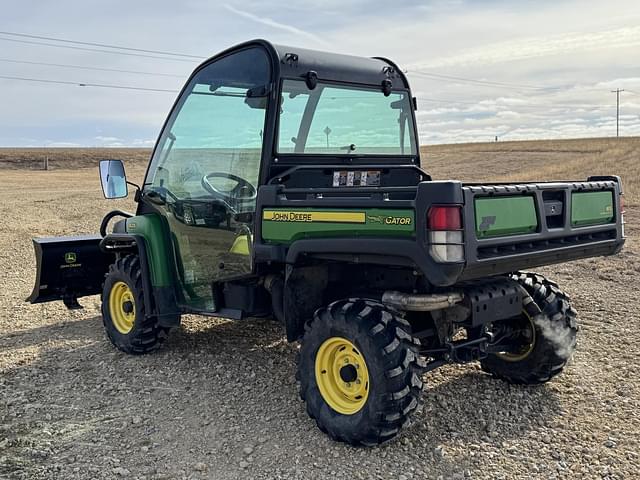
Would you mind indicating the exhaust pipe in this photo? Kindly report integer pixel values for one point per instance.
(421, 302)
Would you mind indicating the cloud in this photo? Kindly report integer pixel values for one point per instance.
(583, 111)
(541, 46)
(63, 144)
(277, 25)
(139, 142)
(102, 139)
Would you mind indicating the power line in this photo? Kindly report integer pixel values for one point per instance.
(436, 100)
(141, 52)
(486, 83)
(443, 101)
(82, 84)
(423, 99)
(94, 44)
(82, 67)
(515, 107)
(29, 42)
(418, 72)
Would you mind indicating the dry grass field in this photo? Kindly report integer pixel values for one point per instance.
(539, 160)
(66, 158)
(471, 162)
(219, 400)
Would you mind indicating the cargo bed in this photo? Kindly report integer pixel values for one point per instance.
(505, 226)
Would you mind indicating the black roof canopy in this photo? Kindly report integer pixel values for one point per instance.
(296, 63)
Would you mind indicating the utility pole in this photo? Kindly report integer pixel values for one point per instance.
(617, 92)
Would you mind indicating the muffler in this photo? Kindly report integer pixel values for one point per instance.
(422, 302)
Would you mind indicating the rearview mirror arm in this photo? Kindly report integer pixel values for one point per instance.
(136, 195)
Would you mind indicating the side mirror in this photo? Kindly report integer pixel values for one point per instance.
(113, 179)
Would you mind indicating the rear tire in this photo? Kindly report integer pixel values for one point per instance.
(366, 335)
(124, 310)
(554, 336)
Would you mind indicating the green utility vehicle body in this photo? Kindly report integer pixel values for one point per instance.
(157, 242)
(330, 204)
(289, 182)
(314, 202)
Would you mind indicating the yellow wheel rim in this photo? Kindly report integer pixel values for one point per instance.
(122, 307)
(527, 348)
(342, 376)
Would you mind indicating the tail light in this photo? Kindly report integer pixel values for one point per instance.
(444, 225)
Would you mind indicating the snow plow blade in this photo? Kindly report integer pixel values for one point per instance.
(68, 268)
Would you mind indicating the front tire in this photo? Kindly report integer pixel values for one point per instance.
(546, 349)
(124, 310)
(359, 371)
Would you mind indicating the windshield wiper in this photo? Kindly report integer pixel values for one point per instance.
(221, 94)
(254, 92)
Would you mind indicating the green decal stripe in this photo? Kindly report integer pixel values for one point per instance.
(591, 208)
(153, 230)
(503, 216)
(281, 225)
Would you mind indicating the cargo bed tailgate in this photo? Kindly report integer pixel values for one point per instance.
(509, 227)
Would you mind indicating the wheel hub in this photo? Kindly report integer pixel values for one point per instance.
(523, 339)
(348, 373)
(127, 307)
(342, 375)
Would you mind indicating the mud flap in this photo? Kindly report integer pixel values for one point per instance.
(68, 268)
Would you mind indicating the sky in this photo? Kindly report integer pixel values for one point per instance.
(480, 69)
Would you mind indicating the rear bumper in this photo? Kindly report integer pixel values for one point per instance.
(381, 251)
(550, 256)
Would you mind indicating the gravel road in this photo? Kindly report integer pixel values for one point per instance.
(219, 400)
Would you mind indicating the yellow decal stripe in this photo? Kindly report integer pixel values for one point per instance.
(302, 216)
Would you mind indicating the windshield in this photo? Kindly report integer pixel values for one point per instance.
(215, 131)
(342, 120)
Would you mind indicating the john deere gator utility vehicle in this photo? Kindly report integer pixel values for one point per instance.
(288, 182)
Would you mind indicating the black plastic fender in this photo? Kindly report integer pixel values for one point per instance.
(162, 300)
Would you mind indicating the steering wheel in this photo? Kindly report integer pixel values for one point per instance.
(242, 191)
